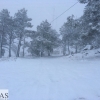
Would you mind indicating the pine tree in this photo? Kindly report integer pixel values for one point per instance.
(11, 33)
(22, 22)
(44, 40)
(91, 22)
(70, 32)
(67, 31)
(47, 37)
(4, 23)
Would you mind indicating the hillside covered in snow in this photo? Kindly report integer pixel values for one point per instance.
(51, 78)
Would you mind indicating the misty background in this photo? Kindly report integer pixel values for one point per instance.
(40, 10)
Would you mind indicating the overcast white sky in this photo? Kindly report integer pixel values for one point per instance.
(40, 10)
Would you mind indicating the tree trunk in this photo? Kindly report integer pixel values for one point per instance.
(1, 43)
(76, 48)
(23, 51)
(41, 51)
(9, 50)
(0, 47)
(18, 49)
(64, 48)
(68, 47)
(10, 43)
(0, 50)
(48, 52)
(24, 47)
(41, 54)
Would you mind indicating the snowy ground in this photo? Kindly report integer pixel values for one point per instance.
(57, 78)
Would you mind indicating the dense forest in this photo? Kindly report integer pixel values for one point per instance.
(74, 33)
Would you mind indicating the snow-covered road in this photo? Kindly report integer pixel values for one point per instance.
(51, 79)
